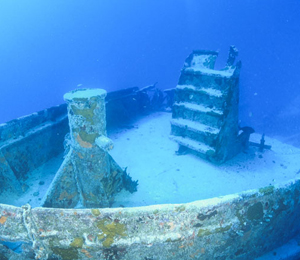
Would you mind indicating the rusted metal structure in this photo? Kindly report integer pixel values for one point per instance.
(238, 226)
(205, 111)
(88, 176)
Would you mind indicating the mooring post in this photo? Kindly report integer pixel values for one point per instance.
(87, 121)
(89, 176)
(87, 118)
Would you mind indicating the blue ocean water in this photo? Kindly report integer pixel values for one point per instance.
(50, 47)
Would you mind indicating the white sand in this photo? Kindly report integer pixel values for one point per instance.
(35, 191)
(209, 91)
(165, 177)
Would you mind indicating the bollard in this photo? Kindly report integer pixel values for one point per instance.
(88, 177)
(87, 119)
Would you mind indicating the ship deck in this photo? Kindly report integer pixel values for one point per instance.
(164, 177)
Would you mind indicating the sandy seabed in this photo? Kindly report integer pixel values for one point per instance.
(164, 177)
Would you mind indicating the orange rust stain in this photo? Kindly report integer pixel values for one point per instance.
(3, 220)
(61, 213)
(66, 195)
(90, 238)
(75, 213)
(87, 254)
(83, 143)
(80, 155)
(182, 246)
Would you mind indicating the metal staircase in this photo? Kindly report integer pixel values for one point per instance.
(205, 109)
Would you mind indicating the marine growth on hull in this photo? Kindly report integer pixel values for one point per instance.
(88, 176)
(101, 177)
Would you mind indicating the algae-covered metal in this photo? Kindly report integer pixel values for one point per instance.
(205, 111)
(88, 175)
(239, 226)
(28, 142)
(24, 145)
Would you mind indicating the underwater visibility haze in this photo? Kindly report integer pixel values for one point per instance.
(106, 171)
(51, 47)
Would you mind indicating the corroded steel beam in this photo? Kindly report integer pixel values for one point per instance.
(237, 226)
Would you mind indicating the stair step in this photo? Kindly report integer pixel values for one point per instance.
(194, 126)
(221, 73)
(199, 108)
(193, 145)
(208, 91)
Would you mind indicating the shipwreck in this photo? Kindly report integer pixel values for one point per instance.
(66, 194)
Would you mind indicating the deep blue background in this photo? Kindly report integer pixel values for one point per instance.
(49, 47)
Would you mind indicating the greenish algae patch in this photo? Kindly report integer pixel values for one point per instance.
(180, 208)
(95, 212)
(203, 232)
(206, 232)
(267, 190)
(173, 240)
(255, 211)
(223, 229)
(77, 242)
(87, 113)
(66, 253)
(155, 211)
(109, 231)
(90, 138)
